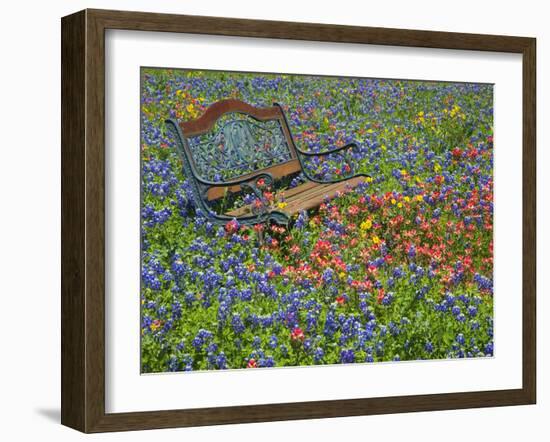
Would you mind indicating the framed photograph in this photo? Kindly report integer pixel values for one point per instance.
(268, 220)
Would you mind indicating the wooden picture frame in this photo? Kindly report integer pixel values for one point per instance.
(83, 220)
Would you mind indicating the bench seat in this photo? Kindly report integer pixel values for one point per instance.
(306, 196)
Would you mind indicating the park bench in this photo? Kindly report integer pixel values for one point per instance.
(235, 147)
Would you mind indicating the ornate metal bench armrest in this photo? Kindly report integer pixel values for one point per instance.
(301, 153)
(325, 153)
(247, 182)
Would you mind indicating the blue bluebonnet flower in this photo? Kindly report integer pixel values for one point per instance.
(273, 341)
(173, 364)
(302, 220)
(428, 346)
(221, 361)
(318, 355)
(237, 323)
(347, 356)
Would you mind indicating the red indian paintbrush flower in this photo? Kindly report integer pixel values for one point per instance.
(380, 296)
(297, 334)
(232, 226)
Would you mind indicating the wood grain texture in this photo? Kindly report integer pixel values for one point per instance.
(73, 253)
(95, 221)
(145, 21)
(83, 218)
(305, 196)
(308, 410)
(315, 197)
(529, 221)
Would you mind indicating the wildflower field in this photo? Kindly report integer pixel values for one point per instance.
(397, 268)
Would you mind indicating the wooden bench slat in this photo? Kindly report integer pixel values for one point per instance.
(307, 193)
(307, 196)
(315, 199)
(290, 195)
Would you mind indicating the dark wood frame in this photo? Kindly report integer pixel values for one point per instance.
(83, 216)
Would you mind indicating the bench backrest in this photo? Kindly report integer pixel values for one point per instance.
(234, 140)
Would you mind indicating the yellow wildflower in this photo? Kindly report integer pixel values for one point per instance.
(455, 110)
(407, 199)
(393, 201)
(366, 225)
(282, 205)
(375, 239)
